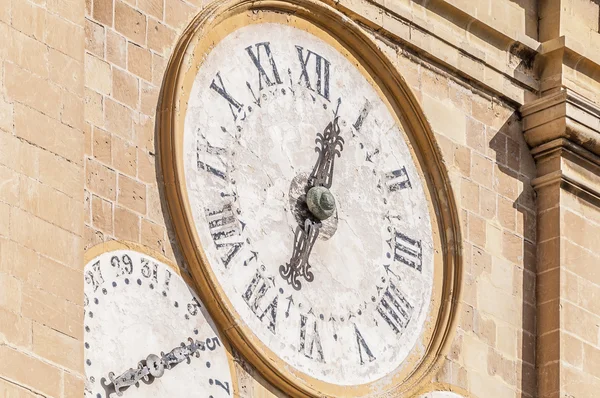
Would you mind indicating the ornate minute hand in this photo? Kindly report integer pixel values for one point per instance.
(330, 144)
(320, 203)
(156, 365)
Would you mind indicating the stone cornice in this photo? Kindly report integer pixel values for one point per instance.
(563, 130)
(573, 49)
(420, 33)
(572, 167)
(564, 114)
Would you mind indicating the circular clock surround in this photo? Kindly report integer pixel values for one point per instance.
(210, 28)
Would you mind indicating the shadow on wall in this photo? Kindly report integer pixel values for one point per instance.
(514, 163)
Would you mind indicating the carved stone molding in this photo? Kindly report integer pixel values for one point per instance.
(563, 130)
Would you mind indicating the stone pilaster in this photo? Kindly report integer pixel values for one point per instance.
(563, 130)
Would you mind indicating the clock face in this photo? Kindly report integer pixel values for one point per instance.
(136, 306)
(274, 111)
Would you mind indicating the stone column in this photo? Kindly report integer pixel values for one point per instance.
(563, 130)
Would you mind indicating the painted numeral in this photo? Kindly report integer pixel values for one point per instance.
(166, 282)
(321, 72)
(262, 74)
(204, 152)
(150, 270)
(407, 250)
(212, 343)
(223, 385)
(363, 347)
(123, 264)
(193, 306)
(310, 341)
(94, 276)
(254, 297)
(364, 112)
(226, 231)
(397, 180)
(395, 309)
(237, 109)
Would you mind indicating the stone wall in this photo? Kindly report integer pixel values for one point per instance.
(41, 198)
(79, 86)
(491, 169)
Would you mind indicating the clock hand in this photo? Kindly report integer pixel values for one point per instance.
(320, 203)
(330, 144)
(156, 365)
(304, 240)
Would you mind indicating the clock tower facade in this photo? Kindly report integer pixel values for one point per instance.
(299, 198)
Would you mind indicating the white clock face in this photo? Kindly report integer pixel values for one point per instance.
(274, 111)
(136, 306)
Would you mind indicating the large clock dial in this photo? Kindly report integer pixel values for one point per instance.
(274, 111)
(146, 332)
(305, 207)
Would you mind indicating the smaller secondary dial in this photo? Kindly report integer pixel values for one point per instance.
(147, 334)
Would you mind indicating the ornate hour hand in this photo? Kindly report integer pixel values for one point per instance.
(298, 266)
(156, 365)
(321, 204)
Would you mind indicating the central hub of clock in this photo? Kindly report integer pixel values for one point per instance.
(320, 202)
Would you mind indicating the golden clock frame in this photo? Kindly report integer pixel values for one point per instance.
(113, 245)
(206, 30)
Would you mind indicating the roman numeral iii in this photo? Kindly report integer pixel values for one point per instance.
(407, 250)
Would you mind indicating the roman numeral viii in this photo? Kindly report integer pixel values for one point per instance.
(321, 75)
(395, 309)
(226, 231)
